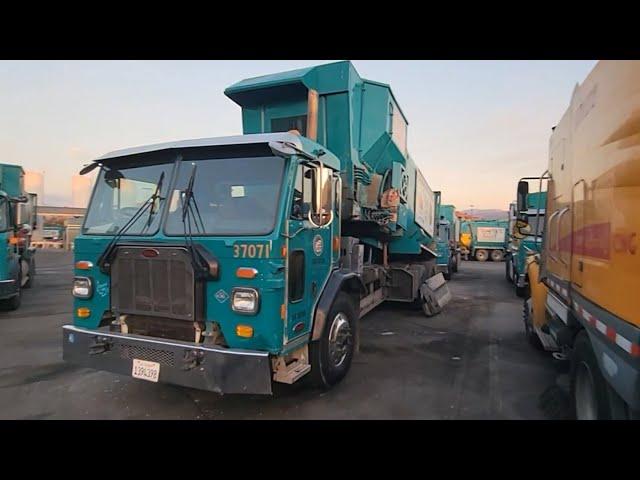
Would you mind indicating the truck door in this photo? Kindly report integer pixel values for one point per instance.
(309, 253)
(7, 250)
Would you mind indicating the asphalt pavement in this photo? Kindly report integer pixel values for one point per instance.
(470, 362)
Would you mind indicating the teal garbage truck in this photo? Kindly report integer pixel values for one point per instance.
(530, 244)
(447, 238)
(228, 264)
(487, 239)
(18, 210)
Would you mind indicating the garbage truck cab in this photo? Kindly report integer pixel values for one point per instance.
(227, 264)
(17, 222)
(530, 243)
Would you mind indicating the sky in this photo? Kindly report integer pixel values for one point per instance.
(475, 127)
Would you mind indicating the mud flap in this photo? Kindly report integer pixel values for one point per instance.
(435, 295)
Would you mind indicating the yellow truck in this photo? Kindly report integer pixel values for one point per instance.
(584, 303)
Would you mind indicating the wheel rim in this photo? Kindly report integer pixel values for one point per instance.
(339, 339)
(586, 404)
(25, 273)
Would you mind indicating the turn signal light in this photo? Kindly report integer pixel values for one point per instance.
(283, 251)
(13, 240)
(83, 312)
(84, 265)
(245, 331)
(246, 272)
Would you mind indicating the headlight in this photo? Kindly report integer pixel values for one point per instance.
(245, 300)
(82, 287)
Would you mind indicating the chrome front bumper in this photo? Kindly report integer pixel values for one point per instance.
(187, 364)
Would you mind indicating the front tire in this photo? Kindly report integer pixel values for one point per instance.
(522, 292)
(482, 255)
(588, 386)
(508, 270)
(28, 270)
(331, 355)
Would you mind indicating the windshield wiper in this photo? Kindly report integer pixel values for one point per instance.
(154, 198)
(189, 204)
(105, 258)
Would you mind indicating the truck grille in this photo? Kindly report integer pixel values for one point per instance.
(155, 281)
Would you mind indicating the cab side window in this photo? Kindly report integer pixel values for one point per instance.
(5, 214)
(302, 193)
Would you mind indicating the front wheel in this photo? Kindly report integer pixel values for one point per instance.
(588, 386)
(522, 292)
(331, 355)
(508, 270)
(481, 255)
(27, 269)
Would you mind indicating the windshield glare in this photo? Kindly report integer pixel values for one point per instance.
(233, 196)
(119, 194)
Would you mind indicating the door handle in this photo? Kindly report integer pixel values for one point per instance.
(561, 213)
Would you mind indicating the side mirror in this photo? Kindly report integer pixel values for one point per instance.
(523, 192)
(321, 213)
(522, 228)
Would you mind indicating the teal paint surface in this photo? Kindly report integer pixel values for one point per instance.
(354, 123)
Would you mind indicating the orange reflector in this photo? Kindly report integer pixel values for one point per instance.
(246, 272)
(245, 331)
(83, 312)
(13, 240)
(336, 243)
(283, 311)
(283, 251)
(84, 265)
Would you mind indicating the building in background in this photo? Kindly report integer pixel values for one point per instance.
(81, 190)
(34, 183)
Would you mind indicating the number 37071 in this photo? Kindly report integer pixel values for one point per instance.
(251, 250)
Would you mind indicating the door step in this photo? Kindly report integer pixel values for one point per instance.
(297, 367)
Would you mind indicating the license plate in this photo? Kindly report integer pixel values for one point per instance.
(144, 370)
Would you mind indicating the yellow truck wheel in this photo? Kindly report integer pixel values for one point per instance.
(588, 387)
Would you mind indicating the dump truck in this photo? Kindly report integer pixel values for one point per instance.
(447, 235)
(519, 249)
(17, 222)
(484, 239)
(233, 264)
(583, 305)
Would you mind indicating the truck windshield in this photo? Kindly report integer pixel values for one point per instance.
(233, 196)
(120, 193)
